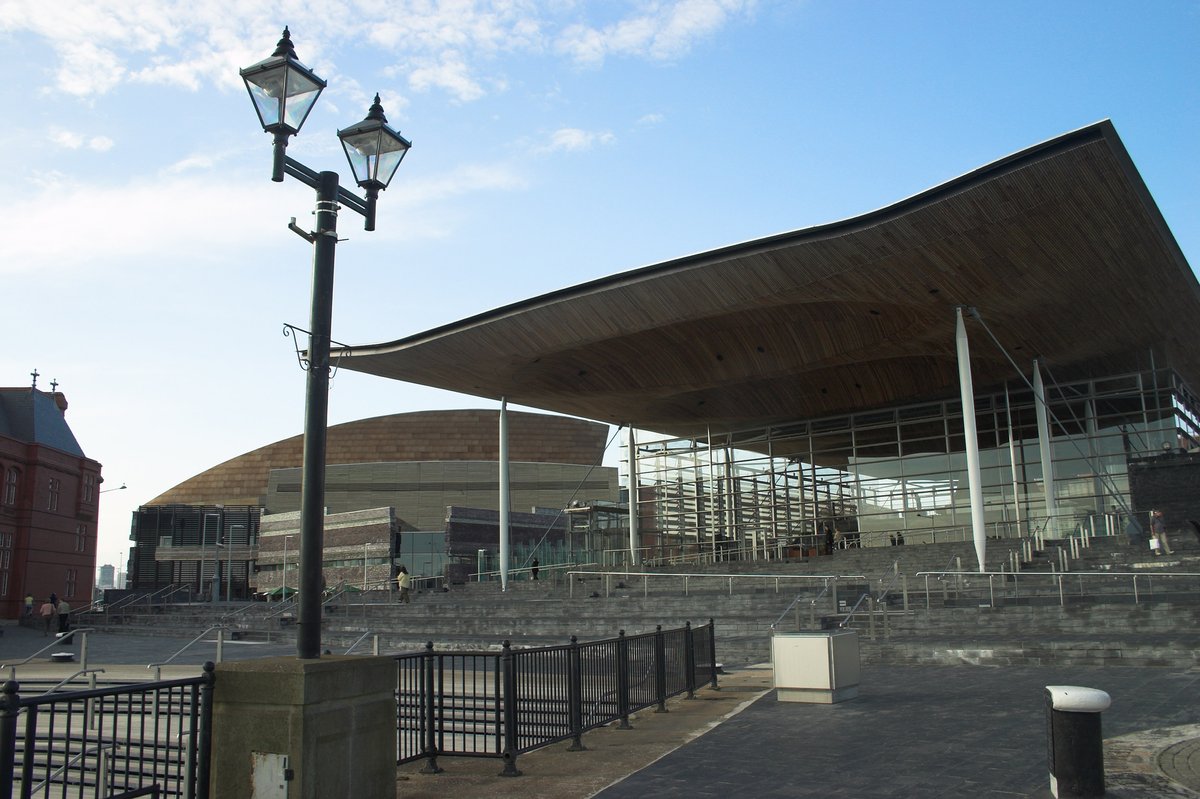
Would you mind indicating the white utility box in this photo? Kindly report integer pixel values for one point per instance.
(820, 667)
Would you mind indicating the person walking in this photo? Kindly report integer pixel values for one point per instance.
(29, 605)
(64, 616)
(404, 583)
(48, 612)
(1158, 533)
(534, 568)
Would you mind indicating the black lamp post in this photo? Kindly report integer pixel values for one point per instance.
(283, 91)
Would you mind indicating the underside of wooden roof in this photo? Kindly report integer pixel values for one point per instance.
(1059, 248)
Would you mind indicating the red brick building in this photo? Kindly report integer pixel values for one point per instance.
(49, 497)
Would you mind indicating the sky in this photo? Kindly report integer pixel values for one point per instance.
(148, 269)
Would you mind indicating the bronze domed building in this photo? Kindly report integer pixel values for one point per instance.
(408, 470)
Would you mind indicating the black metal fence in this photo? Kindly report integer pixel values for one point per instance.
(149, 739)
(502, 704)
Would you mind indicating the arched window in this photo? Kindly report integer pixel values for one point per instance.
(10, 486)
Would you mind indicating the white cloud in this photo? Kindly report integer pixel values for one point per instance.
(649, 120)
(205, 216)
(662, 31)
(447, 46)
(451, 74)
(75, 141)
(576, 140)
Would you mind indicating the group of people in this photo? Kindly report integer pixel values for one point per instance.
(55, 613)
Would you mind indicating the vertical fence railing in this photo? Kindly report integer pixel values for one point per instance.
(503, 704)
(136, 740)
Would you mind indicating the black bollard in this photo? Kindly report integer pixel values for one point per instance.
(1076, 746)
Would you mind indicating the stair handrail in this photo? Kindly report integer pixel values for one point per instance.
(751, 576)
(61, 683)
(12, 667)
(886, 589)
(61, 769)
(233, 614)
(868, 596)
(158, 666)
(812, 603)
(178, 589)
(358, 641)
(284, 605)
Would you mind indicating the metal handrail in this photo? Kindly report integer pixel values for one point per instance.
(360, 639)
(873, 601)
(553, 567)
(688, 575)
(61, 769)
(886, 589)
(12, 667)
(158, 666)
(811, 604)
(285, 604)
(79, 673)
(1054, 578)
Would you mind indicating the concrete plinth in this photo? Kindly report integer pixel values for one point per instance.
(331, 722)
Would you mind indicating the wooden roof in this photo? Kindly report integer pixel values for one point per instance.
(1059, 247)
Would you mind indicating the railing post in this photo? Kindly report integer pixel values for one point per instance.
(509, 672)
(871, 616)
(833, 594)
(927, 591)
(712, 652)
(204, 731)
(430, 711)
(660, 670)
(10, 705)
(623, 681)
(904, 590)
(575, 698)
(689, 659)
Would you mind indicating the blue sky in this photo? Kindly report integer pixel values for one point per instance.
(147, 265)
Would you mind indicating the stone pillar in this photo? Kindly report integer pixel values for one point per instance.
(333, 719)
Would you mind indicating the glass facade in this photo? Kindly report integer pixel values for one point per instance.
(899, 475)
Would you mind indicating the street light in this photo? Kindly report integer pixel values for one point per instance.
(121, 487)
(283, 92)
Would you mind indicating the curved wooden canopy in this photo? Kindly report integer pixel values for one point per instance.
(1060, 248)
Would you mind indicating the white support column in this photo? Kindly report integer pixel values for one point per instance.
(1012, 460)
(504, 499)
(1043, 423)
(635, 556)
(967, 391)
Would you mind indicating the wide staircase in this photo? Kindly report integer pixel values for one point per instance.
(910, 604)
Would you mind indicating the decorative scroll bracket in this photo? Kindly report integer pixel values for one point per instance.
(291, 331)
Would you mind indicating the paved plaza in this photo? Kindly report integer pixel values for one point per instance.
(914, 731)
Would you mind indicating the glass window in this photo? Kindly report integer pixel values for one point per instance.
(89, 487)
(55, 488)
(80, 538)
(10, 486)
